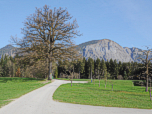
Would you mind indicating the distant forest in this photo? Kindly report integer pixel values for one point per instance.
(9, 67)
(129, 70)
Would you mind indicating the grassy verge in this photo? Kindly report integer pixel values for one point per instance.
(11, 88)
(124, 94)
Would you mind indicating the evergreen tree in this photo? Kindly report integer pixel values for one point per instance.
(128, 71)
(108, 65)
(2, 60)
(1, 71)
(95, 67)
(83, 72)
(111, 67)
(6, 58)
(125, 75)
(81, 68)
(102, 66)
(87, 74)
(90, 67)
(98, 64)
(120, 68)
(116, 68)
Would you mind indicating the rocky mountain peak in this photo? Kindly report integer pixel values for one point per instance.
(107, 49)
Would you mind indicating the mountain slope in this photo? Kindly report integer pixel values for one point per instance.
(8, 50)
(104, 48)
(108, 49)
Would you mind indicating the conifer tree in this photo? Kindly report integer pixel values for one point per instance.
(102, 66)
(120, 67)
(128, 71)
(91, 67)
(87, 74)
(108, 65)
(2, 60)
(98, 66)
(111, 67)
(80, 66)
(83, 62)
(1, 71)
(116, 68)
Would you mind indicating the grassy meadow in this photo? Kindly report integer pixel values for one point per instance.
(11, 88)
(124, 94)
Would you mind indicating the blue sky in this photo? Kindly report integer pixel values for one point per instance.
(127, 22)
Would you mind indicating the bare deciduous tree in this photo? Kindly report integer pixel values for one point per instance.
(146, 61)
(47, 34)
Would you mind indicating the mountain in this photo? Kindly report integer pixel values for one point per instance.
(104, 48)
(108, 49)
(8, 50)
(81, 46)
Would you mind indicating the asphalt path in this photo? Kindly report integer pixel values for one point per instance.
(40, 101)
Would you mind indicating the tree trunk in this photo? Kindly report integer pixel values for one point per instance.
(98, 73)
(147, 83)
(50, 70)
(71, 82)
(99, 82)
(72, 76)
(147, 78)
(50, 62)
(150, 94)
(71, 79)
(105, 83)
(94, 79)
(13, 69)
(91, 73)
(150, 90)
(45, 75)
(112, 87)
(79, 73)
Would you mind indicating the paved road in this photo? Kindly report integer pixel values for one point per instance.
(40, 101)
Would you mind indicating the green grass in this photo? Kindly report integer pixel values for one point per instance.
(11, 88)
(124, 94)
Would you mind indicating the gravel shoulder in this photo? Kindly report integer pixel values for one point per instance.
(40, 101)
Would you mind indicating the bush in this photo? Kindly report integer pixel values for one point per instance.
(120, 77)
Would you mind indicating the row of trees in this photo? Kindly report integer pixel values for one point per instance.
(11, 67)
(98, 67)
